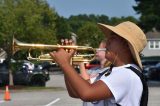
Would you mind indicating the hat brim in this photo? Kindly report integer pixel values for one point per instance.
(136, 56)
(107, 29)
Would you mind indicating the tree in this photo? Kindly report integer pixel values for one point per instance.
(85, 26)
(89, 34)
(116, 20)
(27, 20)
(75, 22)
(103, 19)
(150, 15)
(63, 28)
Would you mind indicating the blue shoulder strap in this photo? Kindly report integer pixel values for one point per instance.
(100, 74)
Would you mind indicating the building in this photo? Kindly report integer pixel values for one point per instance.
(153, 45)
(3, 55)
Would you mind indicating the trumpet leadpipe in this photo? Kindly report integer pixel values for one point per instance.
(17, 45)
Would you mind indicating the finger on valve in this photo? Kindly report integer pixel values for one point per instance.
(70, 42)
(62, 41)
(66, 41)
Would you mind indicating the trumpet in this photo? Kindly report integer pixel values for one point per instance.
(87, 57)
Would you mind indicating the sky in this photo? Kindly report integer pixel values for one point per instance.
(111, 8)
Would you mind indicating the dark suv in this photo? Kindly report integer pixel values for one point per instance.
(147, 65)
(154, 72)
(28, 73)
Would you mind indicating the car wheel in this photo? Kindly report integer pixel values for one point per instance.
(38, 80)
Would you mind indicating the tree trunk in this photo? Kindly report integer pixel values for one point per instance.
(10, 78)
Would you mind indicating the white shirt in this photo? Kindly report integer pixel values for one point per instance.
(125, 86)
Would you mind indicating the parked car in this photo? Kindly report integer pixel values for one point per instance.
(53, 67)
(30, 74)
(4, 74)
(154, 72)
(50, 66)
(39, 76)
(147, 64)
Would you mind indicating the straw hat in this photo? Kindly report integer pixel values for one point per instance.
(130, 32)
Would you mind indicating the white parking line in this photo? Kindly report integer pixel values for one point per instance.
(53, 102)
(1, 101)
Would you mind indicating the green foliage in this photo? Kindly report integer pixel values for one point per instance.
(31, 21)
(150, 15)
(27, 20)
(78, 21)
(85, 26)
(115, 20)
(63, 28)
(89, 34)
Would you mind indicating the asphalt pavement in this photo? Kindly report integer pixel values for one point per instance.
(59, 97)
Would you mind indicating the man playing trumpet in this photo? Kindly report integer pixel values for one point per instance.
(119, 85)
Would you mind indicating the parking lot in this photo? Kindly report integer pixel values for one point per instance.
(59, 97)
